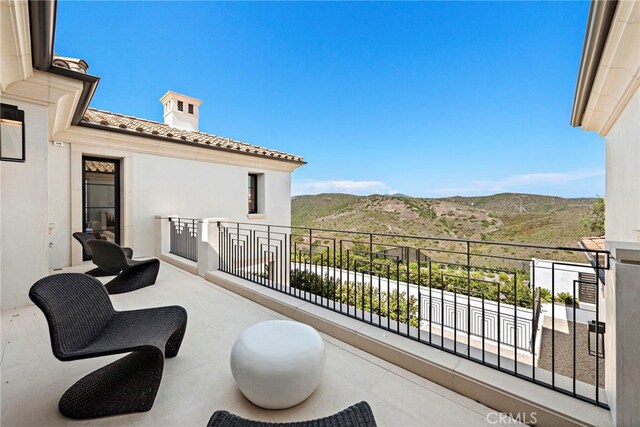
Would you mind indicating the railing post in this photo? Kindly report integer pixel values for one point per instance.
(622, 341)
(163, 233)
(208, 245)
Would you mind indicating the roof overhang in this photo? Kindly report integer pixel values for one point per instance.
(42, 24)
(600, 17)
(121, 142)
(129, 132)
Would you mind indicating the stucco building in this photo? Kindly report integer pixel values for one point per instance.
(85, 169)
(607, 101)
(66, 168)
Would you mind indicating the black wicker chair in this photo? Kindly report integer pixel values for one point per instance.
(83, 324)
(83, 238)
(131, 275)
(358, 415)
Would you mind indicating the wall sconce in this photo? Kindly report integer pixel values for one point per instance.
(596, 338)
(12, 144)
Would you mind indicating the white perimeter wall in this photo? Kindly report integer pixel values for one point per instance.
(562, 276)
(24, 227)
(623, 175)
(198, 189)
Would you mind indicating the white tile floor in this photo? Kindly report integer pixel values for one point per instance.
(199, 381)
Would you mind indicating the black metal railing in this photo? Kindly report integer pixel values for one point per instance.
(509, 306)
(536, 312)
(183, 240)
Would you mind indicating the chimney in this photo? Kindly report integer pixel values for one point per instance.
(181, 111)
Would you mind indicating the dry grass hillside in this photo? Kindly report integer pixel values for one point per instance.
(525, 218)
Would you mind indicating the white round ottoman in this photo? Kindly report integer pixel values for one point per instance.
(278, 363)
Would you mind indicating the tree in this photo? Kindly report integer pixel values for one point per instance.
(593, 222)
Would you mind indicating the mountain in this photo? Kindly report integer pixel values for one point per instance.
(520, 203)
(509, 217)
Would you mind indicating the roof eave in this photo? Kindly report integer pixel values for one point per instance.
(194, 144)
(598, 24)
(89, 85)
(42, 25)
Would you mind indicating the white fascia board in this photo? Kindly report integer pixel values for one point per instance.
(140, 144)
(59, 93)
(43, 88)
(618, 75)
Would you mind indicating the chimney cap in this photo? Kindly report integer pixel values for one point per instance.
(174, 95)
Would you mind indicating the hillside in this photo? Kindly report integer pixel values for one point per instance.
(520, 203)
(506, 217)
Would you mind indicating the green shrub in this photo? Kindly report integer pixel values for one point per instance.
(451, 277)
(566, 298)
(593, 222)
(545, 295)
(394, 305)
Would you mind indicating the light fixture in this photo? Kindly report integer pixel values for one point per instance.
(596, 338)
(12, 144)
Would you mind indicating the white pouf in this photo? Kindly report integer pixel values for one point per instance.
(278, 363)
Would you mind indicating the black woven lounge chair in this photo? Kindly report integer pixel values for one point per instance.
(358, 415)
(132, 274)
(83, 238)
(83, 324)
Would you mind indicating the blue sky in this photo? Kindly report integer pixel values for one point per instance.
(427, 99)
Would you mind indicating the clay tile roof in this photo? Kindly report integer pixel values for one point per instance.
(112, 121)
(593, 243)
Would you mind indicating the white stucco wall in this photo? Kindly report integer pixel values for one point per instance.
(622, 230)
(23, 216)
(623, 175)
(59, 205)
(198, 189)
(562, 276)
(183, 180)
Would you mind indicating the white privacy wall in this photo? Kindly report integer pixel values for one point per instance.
(623, 175)
(23, 211)
(560, 275)
(199, 189)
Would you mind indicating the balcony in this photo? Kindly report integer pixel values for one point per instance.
(489, 303)
(199, 381)
(424, 368)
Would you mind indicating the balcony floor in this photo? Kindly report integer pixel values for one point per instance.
(199, 380)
